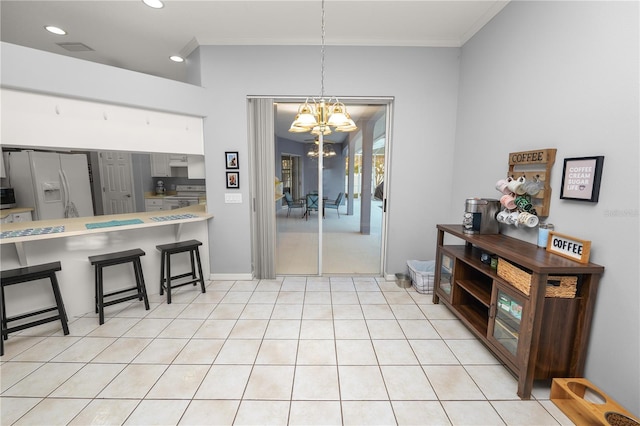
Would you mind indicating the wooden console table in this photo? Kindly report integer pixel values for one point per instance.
(536, 337)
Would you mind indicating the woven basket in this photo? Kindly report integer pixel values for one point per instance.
(521, 280)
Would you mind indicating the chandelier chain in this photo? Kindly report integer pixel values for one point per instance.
(322, 57)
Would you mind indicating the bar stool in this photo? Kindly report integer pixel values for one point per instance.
(26, 274)
(110, 259)
(166, 251)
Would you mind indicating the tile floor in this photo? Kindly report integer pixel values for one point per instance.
(296, 350)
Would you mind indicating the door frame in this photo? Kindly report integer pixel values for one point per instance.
(258, 235)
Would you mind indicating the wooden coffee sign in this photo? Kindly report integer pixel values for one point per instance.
(534, 166)
(569, 247)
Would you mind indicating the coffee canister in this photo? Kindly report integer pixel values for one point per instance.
(543, 233)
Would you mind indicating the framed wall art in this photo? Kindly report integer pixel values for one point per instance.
(233, 180)
(581, 178)
(231, 158)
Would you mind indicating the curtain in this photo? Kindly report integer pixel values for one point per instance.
(262, 152)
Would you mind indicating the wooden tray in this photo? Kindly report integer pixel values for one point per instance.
(585, 404)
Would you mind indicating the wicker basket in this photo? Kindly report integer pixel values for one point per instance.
(422, 275)
(564, 286)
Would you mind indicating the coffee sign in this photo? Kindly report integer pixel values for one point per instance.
(569, 247)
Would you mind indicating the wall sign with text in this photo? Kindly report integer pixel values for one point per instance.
(581, 178)
(569, 247)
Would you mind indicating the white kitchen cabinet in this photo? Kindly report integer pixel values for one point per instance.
(196, 166)
(153, 204)
(168, 165)
(17, 217)
(160, 165)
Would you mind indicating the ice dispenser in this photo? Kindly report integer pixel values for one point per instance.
(480, 216)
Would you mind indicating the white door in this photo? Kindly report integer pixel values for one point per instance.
(117, 182)
(75, 172)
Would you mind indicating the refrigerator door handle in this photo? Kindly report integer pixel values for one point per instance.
(64, 187)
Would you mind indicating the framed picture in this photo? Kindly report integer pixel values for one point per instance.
(232, 160)
(233, 180)
(581, 178)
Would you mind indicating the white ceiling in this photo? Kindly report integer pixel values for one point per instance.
(128, 34)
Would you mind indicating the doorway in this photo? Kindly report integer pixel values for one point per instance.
(291, 175)
(345, 238)
(116, 175)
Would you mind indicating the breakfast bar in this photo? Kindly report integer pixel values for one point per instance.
(71, 241)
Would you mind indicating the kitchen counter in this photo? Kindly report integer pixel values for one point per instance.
(78, 226)
(6, 212)
(72, 247)
(153, 195)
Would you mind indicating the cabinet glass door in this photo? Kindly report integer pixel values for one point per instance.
(446, 274)
(506, 329)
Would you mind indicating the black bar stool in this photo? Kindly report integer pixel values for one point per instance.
(166, 250)
(22, 275)
(102, 261)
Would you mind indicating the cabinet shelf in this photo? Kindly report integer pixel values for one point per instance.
(477, 290)
(536, 337)
(475, 317)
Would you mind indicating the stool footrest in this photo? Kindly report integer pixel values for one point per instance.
(122, 299)
(32, 314)
(194, 282)
(30, 324)
(113, 293)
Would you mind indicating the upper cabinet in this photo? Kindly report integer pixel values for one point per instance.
(195, 166)
(177, 165)
(160, 165)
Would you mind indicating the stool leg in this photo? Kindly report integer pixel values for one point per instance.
(168, 278)
(193, 266)
(136, 274)
(100, 294)
(95, 284)
(61, 311)
(2, 325)
(5, 335)
(162, 262)
(142, 289)
(200, 270)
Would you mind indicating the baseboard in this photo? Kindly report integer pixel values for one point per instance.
(231, 277)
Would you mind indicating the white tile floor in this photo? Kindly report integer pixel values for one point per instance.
(296, 350)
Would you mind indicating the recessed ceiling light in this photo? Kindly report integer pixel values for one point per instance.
(55, 30)
(176, 58)
(156, 4)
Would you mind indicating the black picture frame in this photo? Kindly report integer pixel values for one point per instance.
(231, 160)
(233, 180)
(581, 178)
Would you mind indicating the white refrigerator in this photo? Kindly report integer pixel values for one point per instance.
(55, 185)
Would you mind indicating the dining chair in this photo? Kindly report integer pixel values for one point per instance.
(292, 204)
(312, 204)
(335, 204)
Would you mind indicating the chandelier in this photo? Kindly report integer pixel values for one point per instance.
(327, 151)
(318, 116)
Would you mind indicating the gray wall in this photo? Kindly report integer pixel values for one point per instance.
(424, 82)
(565, 75)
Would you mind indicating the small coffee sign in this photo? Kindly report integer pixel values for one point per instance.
(569, 247)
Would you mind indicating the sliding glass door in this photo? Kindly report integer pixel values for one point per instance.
(325, 238)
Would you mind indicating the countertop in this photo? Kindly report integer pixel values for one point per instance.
(77, 226)
(6, 212)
